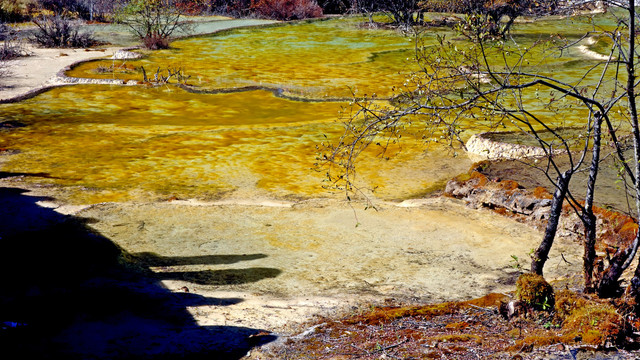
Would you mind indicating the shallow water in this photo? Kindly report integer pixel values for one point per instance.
(128, 143)
(312, 59)
(110, 143)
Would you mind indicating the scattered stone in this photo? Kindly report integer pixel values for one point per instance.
(512, 309)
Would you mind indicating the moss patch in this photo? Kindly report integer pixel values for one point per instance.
(535, 291)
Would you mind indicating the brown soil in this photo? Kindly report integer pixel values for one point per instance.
(457, 330)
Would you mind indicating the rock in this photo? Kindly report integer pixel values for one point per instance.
(480, 144)
(511, 309)
(479, 191)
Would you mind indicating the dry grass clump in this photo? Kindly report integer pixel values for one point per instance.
(384, 314)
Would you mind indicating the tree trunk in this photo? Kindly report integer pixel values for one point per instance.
(609, 286)
(633, 291)
(542, 253)
(588, 218)
(634, 287)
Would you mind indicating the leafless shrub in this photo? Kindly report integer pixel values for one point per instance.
(11, 49)
(59, 32)
(159, 78)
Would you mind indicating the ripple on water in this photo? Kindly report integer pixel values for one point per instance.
(126, 143)
(107, 143)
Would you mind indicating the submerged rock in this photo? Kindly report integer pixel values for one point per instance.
(11, 124)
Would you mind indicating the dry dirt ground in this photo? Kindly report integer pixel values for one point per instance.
(228, 276)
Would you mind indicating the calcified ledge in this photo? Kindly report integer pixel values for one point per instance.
(61, 79)
(481, 145)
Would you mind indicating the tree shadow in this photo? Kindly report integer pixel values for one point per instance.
(224, 277)
(152, 259)
(68, 292)
(4, 175)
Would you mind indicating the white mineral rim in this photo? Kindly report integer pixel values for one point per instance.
(489, 149)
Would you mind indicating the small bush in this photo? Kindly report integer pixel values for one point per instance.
(58, 32)
(286, 9)
(535, 291)
(335, 6)
(11, 49)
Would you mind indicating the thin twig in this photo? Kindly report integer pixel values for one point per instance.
(491, 311)
(363, 350)
(394, 345)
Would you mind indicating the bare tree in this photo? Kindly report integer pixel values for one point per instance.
(491, 17)
(497, 84)
(153, 21)
(401, 12)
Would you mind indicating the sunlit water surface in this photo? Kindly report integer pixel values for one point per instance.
(127, 143)
(111, 143)
(318, 59)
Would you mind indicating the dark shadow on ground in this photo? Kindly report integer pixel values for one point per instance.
(152, 259)
(224, 277)
(69, 292)
(4, 175)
